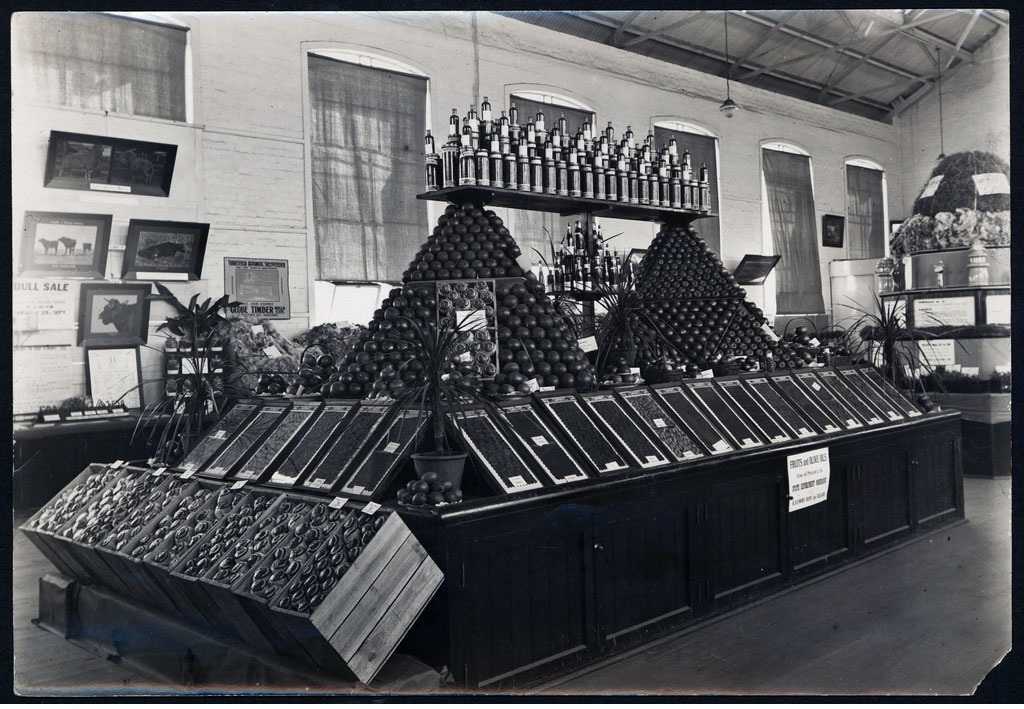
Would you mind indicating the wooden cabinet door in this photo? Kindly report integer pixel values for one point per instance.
(821, 533)
(883, 481)
(935, 467)
(643, 568)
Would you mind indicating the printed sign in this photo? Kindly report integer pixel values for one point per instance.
(997, 309)
(808, 478)
(42, 304)
(260, 285)
(931, 312)
(991, 183)
(337, 503)
(936, 352)
(43, 377)
(933, 184)
(588, 344)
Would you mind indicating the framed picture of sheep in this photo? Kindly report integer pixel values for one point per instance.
(76, 161)
(113, 314)
(165, 250)
(64, 244)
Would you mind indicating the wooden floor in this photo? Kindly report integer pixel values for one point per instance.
(932, 617)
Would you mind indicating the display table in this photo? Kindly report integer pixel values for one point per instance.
(549, 581)
(985, 419)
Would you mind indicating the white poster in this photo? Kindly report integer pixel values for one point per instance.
(42, 304)
(808, 478)
(991, 183)
(261, 285)
(936, 352)
(114, 375)
(933, 184)
(997, 309)
(46, 376)
(933, 312)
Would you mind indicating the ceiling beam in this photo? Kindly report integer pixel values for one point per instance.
(929, 39)
(836, 80)
(963, 35)
(902, 104)
(828, 47)
(626, 22)
(761, 40)
(997, 17)
(607, 22)
(655, 33)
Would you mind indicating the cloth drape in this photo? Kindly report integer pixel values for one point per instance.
(865, 219)
(367, 168)
(703, 151)
(794, 232)
(103, 63)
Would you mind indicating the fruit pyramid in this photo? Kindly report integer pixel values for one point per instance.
(533, 340)
(696, 304)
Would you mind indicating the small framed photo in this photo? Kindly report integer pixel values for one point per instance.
(76, 161)
(113, 314)
(832, 230)
(170, 251)
(114, 374)
(64, 244)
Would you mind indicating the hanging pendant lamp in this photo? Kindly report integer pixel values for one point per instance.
(728, 106)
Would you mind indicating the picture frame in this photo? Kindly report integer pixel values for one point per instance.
(113, 314)
(114, 374)
(64, 244)
(161, 250)
(77, 161)
(832, 230)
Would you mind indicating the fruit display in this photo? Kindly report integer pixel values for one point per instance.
(109, 508)
(853, 399)
(245, 438)
(234, 521)
(161, 496)
(278, 438)
(734, 422)
(677, 441)
(272, 383)
(768, 427)
(315, 374)
(258, 541)
(591, 442)
(694, 419)
(59, 511)
(388, 452)
(608, 409)
(505, 467)
(147, 544)
(341, 455)
(836, 407)
(815, 410)
(770, 398)
(215, 438)
(316, 438)
(429, 491)
(527, 425)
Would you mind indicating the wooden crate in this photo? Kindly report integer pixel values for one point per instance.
(358, 625)
(45, 541)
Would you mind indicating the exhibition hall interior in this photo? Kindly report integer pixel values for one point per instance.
(511, 354)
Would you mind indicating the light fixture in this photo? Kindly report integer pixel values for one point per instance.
(942, 145)
(728, 106)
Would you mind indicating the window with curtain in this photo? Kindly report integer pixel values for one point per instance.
(529, 227)
(703, 151)
(794, 231)
(367, 168)
(865, 212)
(104, 63)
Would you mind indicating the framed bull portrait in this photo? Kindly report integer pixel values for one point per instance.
(98, 163)
(113, 314)
(65, 244)
(167, 251)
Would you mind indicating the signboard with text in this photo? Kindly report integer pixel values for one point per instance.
(261, 286)
(808, 478)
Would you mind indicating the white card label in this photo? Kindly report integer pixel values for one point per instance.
(933, 184)
(653, 459)
(546, 389)
(808, 478)
(532, 384)
(767, 329)
(238, 485)
(588, 344)
(187, 474)
(635, 370)
(337, 503)
(720, 445)
(852, 423)
(1003, 369)
(257, 329)
(272, 351)
(815, 386)
(936, 352)
(75, 414)
(831, 427)
(997, 309)
(219, 434)
(659, 423)
(116, 464)
(749, 442)
(540, 441)
(370, 508)
(991, 183)
(159, 471)
(51, 417)
(613, 466)
(390, 447)
(464, 357)
(929, 312)
(517, 481)
(317, 483)
(687, 455)
(954, 367)
(814, 342)
(706, 374)
(970, 371)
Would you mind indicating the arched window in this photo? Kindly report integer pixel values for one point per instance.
(790, 230)
(866, 209)
(702, 145)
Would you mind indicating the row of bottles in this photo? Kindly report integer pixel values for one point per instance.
(482, 151)
(583, 261)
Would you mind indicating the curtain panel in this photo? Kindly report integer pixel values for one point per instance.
(794, 232)
(367, 168)
(99, 62)
(703, 151)
(865, 217)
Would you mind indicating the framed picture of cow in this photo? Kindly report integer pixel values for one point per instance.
(113, 314)
(64, 244)
(167, 251)
(98, 163)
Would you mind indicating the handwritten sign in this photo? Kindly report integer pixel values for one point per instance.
(808, 478)
(46, 377)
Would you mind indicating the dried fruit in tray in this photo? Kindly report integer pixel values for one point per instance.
(591, 442)
(699, 424)
(224, 429)
(762, 389)
(607, 408)
(676, 440)
(60, 510)
(500, 460)
(219, 505)
(388, 451)
(731, 421)
(177, 530)
(341, 455)
(772, 430)
(278, 439)
(828, 400)
(105, 512)
(312, 443)
(244, 440)
(527, 425)
(227, 533)
(259, 541)
(159, 499)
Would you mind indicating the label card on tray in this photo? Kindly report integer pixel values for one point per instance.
(720, 445)
(706, 374)
(532, 384)
(159, 471)
(659, 423)
(272, 351)
(390, 447)
(238, 485)
(188, 473)
(371, 507)
(337, 503)
(540, 441)
(517, 481)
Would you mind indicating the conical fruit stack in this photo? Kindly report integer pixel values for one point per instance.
(534, 342)
(698, 306)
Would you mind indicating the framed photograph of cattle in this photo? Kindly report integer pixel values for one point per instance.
(65, 244)
(167, 251)
(98, 163)
(113, 314)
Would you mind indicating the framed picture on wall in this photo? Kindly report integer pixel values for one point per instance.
(114, 374)
(113, 314)
(832, 230)
(76, 161)
(64, 244)
(170, 251)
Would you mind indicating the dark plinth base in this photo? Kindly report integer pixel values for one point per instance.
(986, 449)
(169, 651)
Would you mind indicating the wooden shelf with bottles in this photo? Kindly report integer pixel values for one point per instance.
(564, 206)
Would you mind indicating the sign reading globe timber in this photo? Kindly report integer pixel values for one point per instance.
(260, 286)
(808, 478)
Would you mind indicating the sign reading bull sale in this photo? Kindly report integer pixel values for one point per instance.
(808, 478)
(261, 286)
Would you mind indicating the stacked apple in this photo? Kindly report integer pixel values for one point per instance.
(272, 383)
(535, 342)
(679, 264)
(467, 242)
(429, 491)
(316, 374)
